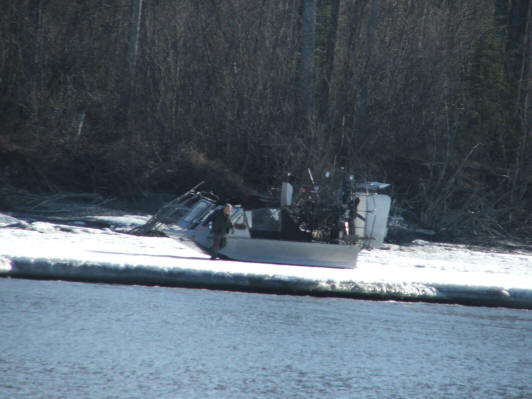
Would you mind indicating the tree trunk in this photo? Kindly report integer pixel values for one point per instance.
(306, 64)
(523, 165)
(329, 10)
(127, 80)
(365, 75)
(32, 64)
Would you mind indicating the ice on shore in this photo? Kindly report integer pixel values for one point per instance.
(423, 271)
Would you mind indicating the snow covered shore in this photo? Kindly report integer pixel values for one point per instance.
(421, 272)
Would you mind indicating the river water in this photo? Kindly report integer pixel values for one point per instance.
(65, 340)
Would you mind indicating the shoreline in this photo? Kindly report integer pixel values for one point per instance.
(419, 272)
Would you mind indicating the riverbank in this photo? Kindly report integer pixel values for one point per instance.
(95, 248)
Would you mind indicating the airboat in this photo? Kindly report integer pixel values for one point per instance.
(323, 224)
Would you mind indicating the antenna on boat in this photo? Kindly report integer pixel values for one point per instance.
(310, 175)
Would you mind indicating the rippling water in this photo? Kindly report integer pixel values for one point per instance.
(62, 340)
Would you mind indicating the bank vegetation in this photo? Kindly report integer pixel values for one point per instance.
(126, 97)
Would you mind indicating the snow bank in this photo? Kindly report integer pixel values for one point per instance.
(422, 272)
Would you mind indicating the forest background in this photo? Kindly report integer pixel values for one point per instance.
(127, 97)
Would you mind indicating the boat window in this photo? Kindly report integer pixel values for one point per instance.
(177, 213)
(190, 201)
(197, 210)
(264, 219)
(209, 216)
(249, 218)
(239, 222)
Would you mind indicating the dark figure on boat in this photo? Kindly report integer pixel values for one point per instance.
(221, 225)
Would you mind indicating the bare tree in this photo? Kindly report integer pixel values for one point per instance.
(130, 60)
(32, 63)
(306, 63)
(328, 12)
(365, 72)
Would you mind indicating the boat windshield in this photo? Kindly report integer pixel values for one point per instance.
(264, 219)
(197, 210)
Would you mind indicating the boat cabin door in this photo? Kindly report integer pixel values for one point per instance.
(203, 231)
(240, 224)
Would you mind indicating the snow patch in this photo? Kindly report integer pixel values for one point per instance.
(5, 265)
(424, 271)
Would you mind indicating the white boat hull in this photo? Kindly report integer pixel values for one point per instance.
(291, 252)
(240, 246)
